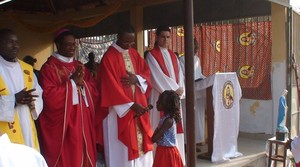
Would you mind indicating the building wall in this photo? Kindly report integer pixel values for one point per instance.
(32, 43)
(260, 116)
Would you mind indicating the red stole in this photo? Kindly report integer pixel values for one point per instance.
(112, 92)
(156, 53)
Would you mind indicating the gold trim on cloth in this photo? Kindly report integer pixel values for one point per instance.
(13, 129)
(139, 134)
(129, 68)
(139, 138)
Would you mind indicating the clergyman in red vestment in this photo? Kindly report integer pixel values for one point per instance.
(67, 125)
(123, 83)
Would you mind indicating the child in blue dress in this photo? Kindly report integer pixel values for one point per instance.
(167, 154)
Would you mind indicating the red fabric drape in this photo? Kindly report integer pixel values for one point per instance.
(242, 46)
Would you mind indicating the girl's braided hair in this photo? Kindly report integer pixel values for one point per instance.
(171, 104)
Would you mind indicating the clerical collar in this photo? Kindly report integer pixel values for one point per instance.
(164, 49)
(63, 58)
(8, 63)
(121, 50)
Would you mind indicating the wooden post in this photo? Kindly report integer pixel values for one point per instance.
(136, 18)
(189, 79)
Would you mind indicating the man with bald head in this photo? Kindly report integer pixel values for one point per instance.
(20, 93)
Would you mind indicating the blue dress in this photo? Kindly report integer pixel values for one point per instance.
(169, 137)
(167, 154)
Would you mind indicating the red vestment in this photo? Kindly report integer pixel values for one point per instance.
(66, 131)
(112, 92)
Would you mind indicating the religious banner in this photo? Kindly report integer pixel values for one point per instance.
(252, 61)
(216, 48)
(242, 46)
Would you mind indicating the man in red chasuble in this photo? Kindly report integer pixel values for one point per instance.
(124, 84)
(67, 125)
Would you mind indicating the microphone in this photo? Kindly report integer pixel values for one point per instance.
(149, 107)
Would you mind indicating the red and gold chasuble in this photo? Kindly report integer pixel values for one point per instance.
(13, 129)
(156, 53)
(112, 68)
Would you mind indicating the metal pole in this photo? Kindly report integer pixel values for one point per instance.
(189, 81)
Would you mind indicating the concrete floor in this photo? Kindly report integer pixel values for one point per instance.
(253, 151)
(252, 148)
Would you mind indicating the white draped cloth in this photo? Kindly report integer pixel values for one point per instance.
(200, 101)
(226, 120)
(17, 155)
(12, 75)
(226, 115)
(116, 153)
(160, 83)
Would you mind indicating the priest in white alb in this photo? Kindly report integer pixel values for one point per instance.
(200, 97)
(166, 75)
